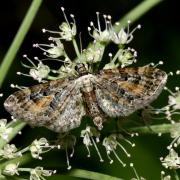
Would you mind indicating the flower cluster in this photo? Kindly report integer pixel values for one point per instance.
(37, 148)
(91, 57)
(91, 137)
(37, 173)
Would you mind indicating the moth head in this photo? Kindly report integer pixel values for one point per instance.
(81, 69)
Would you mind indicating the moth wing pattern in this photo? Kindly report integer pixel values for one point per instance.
(122, 91)
(56, 105)
(60, 105)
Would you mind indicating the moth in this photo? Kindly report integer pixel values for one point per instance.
(59, 105)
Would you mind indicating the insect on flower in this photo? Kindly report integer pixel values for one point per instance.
(59, 105)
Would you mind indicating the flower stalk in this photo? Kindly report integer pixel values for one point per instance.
(11, 53)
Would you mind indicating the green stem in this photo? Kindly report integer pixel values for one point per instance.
(76, 48)
(17, 126)
(22, 160)
(10, 55)
(91, 175)
(136, 13)
(154, 129)
(25, 169)
(176, 175)
(116, 56)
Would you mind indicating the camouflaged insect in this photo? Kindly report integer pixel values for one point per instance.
(60, 105)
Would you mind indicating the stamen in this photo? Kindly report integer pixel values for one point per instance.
(97, 150)
(65, 17)
(159, 63)
(20, 73)
(16, 86)
(26, 57)
(170, 74)
(135, 172)
(129, 142)
(49, 31)
(67, 160)
(98, 21)
(108, 155)
(72, 153)
(128, 155)
(123, 164)
(178, 72)
(89, 154)
(167, 89)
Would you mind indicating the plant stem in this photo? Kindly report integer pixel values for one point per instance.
(91, 175)
(17, 126)
(176, 175)
(76, 48)
(10, 55)
(22, 160)
(136, 13)
(154, 129)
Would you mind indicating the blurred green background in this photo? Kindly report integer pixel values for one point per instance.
(159, 39)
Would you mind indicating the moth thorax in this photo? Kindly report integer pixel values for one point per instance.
(81, 69)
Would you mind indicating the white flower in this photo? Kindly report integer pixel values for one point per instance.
(11, 169)
(4, 129)
(38, 147)
(94, 53)
(67, 32)
(88, 139)
(40, 72)
(53, 50)
(39, 172)
(111, 143)
(172, 160)
(174, 100)
(9, 151)
(126, 57)
(68, 29)
(123, 37)
(99, 34)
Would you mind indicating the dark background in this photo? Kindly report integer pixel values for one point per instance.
(159, 39)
